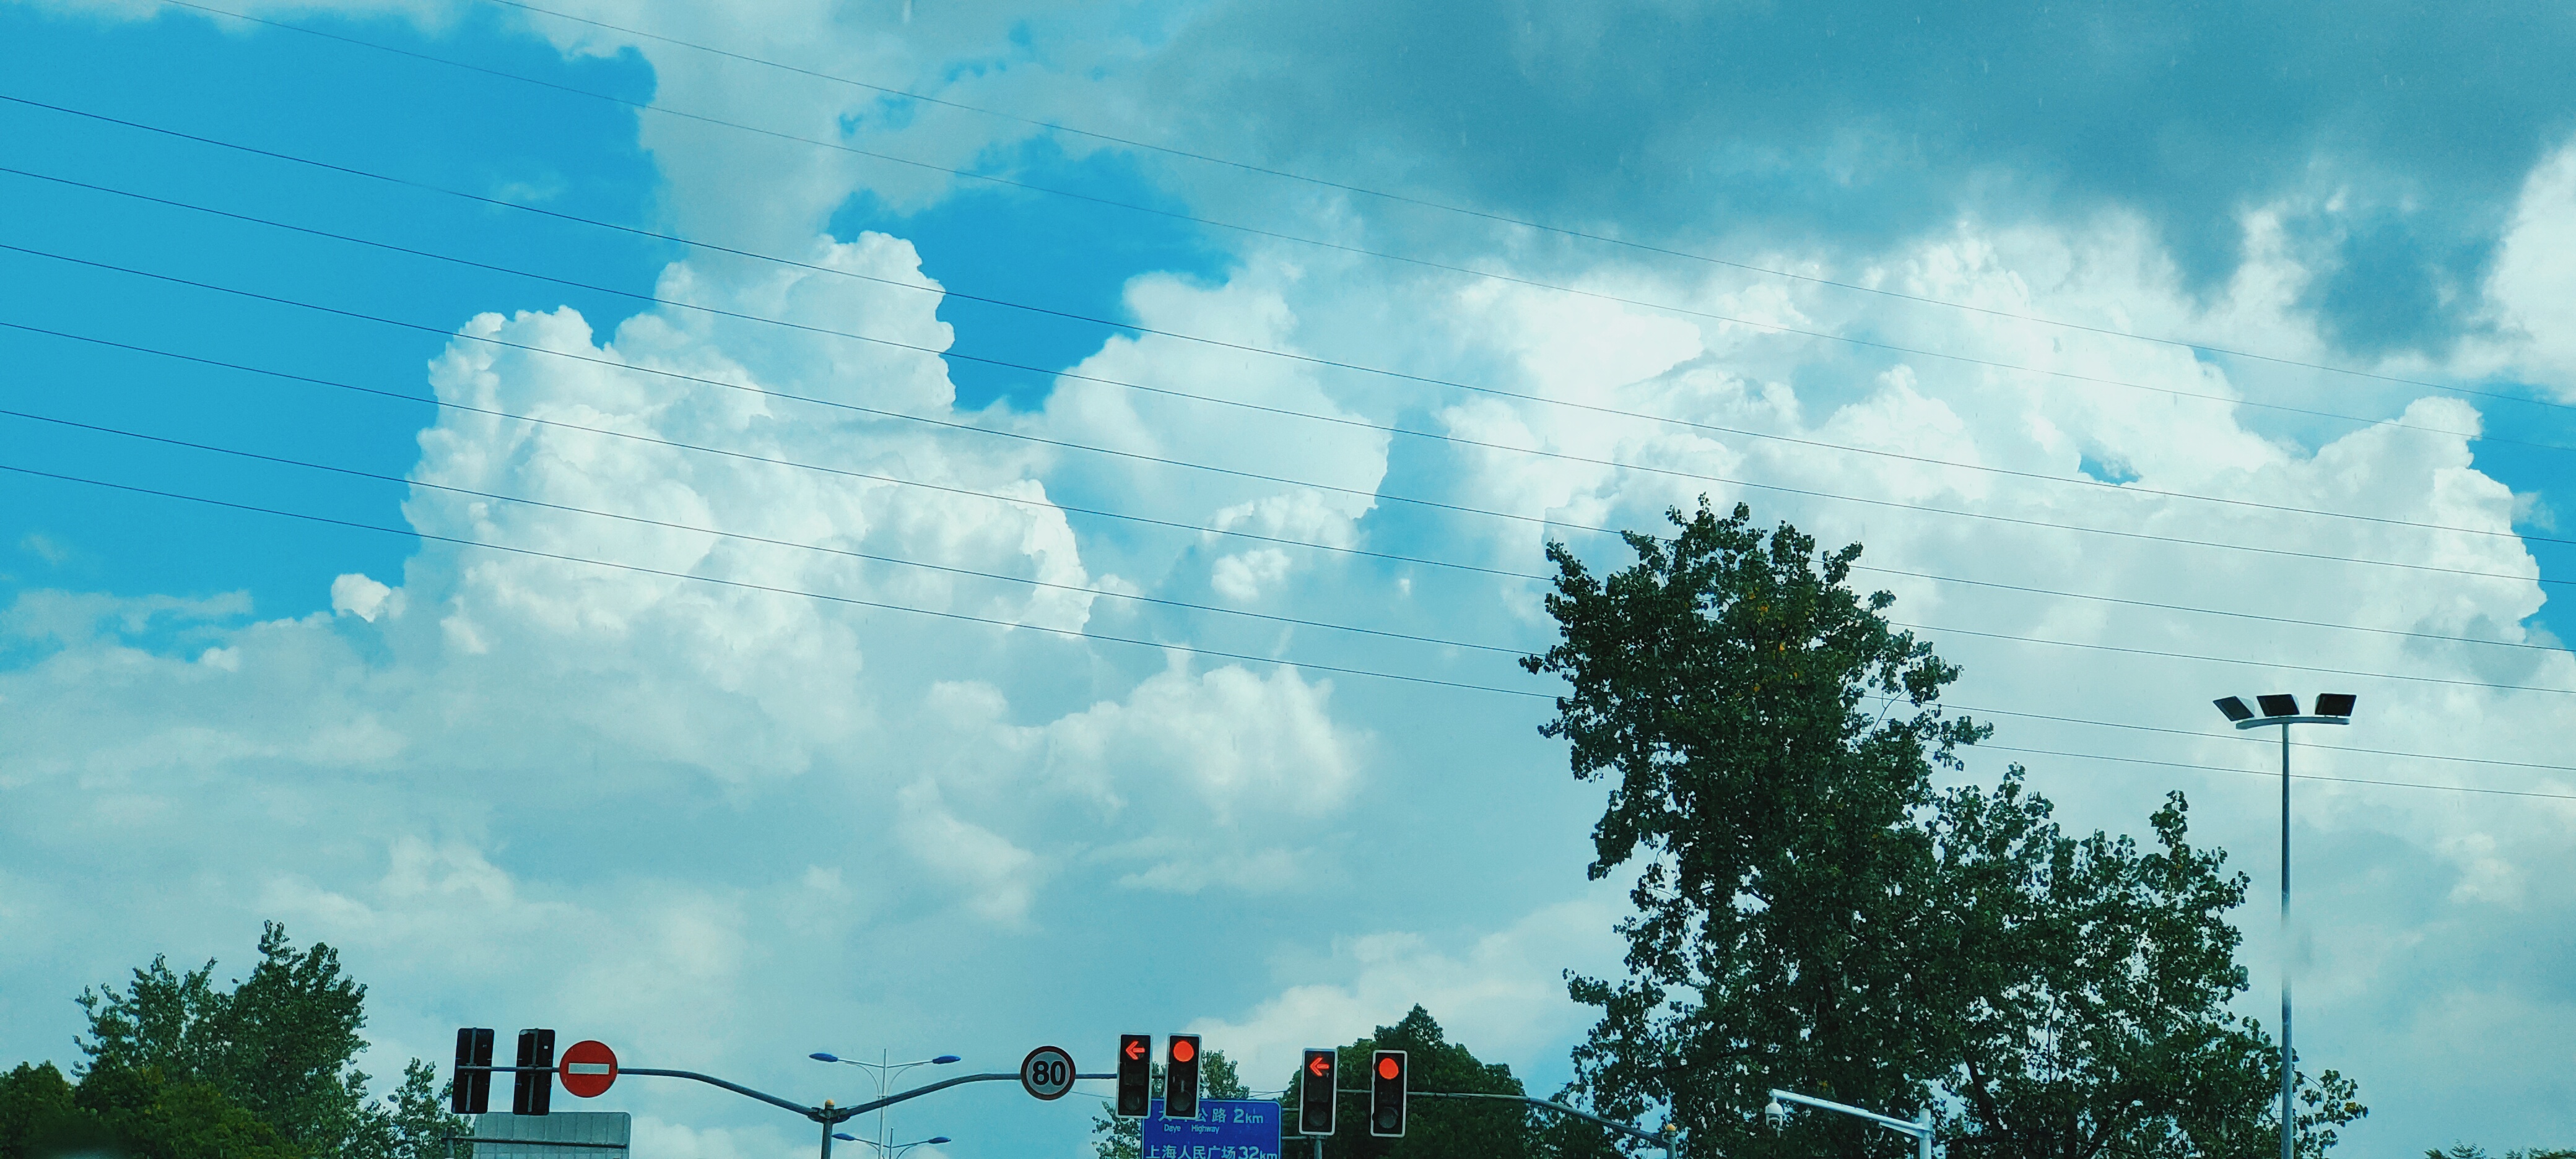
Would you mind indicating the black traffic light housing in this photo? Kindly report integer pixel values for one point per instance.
(1387, 1075)
(1181, 1078)
(533, 1090)
(469, 1086)
(1135, 1075)
(1315, 1092)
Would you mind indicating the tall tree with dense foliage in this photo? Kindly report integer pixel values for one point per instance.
(2089, 982)
(179, 1067)
(1768, 739)
(1812, 914)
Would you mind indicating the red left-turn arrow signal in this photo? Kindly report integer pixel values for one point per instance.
(1135, 1048)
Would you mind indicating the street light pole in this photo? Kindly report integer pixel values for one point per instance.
(884, 1072)
(1920, 1128)
(2282, 709)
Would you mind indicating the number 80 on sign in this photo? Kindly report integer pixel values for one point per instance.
(1047, 1073)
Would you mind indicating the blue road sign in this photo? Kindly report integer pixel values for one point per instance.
(1225, 1129)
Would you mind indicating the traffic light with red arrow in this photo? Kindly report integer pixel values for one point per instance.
(1135, 1075)
(1315, 1093)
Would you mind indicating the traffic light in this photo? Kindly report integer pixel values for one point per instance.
(1315, 1093)
(1135, 1075)
(533, 1090)
(1181, 1078)
(1386, 1094)
(469, 1087)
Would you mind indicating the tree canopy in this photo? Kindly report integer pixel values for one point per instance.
(1813, 913)
(178, 1067)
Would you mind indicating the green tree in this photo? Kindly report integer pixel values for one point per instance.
(280, 1043)
(2473, 1151)
(1434, 1128)
(1116, 1138)
(1811, 914)
(1769, 738)
(2088, 983)
(178, 1067)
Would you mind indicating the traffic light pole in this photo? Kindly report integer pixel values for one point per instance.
(1671, 1143)
(828, 1115)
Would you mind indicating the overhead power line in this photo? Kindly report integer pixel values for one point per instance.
(1336, 420)
(1132, 327)
(1504, 573)
(2233, 661)
(2293, 776)
(1511, 650)
(1375, 495)
(847, 473)
(743, 585)
(837, 146)
(570, 509)
(1498, 218)
(2267, 742)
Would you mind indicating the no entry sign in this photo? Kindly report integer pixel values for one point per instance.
(587, 1067)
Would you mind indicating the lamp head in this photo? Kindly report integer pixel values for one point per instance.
(821, 1056)
(944, 1060)
(2234, 707)
(844, 1137)
(935, 1140)
(2334, 704)
(2278, 704)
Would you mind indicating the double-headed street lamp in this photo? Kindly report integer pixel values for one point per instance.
(896, 1149)
(2281, 708)
(884, 1071)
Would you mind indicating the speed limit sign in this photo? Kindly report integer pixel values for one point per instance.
(1047, 1073)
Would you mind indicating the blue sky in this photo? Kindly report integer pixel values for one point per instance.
(724, 827)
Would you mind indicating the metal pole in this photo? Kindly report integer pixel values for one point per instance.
(827, 1137)
(1925, 1118)
(2289, 1076)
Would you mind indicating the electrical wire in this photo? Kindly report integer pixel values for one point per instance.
(1374, 495)
(1503, 219)
(2232, 660)
(2293, 776)
(870, 476)
(1086, 635)
(434, 401)
(2245, 739)
(952, 292)
(1512, 650)
(746, 537)
(1064, 632)
(745, 585)
(647, 106)
(1379, 428)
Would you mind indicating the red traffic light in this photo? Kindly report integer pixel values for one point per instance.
(1387, 1067)
(1318, 1065)
(1136, 1046)
(1183, 1050)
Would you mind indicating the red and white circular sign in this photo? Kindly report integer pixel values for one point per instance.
(587, 1067)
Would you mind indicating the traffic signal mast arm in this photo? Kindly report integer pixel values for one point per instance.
(1670, 1145)
(818, 1114)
